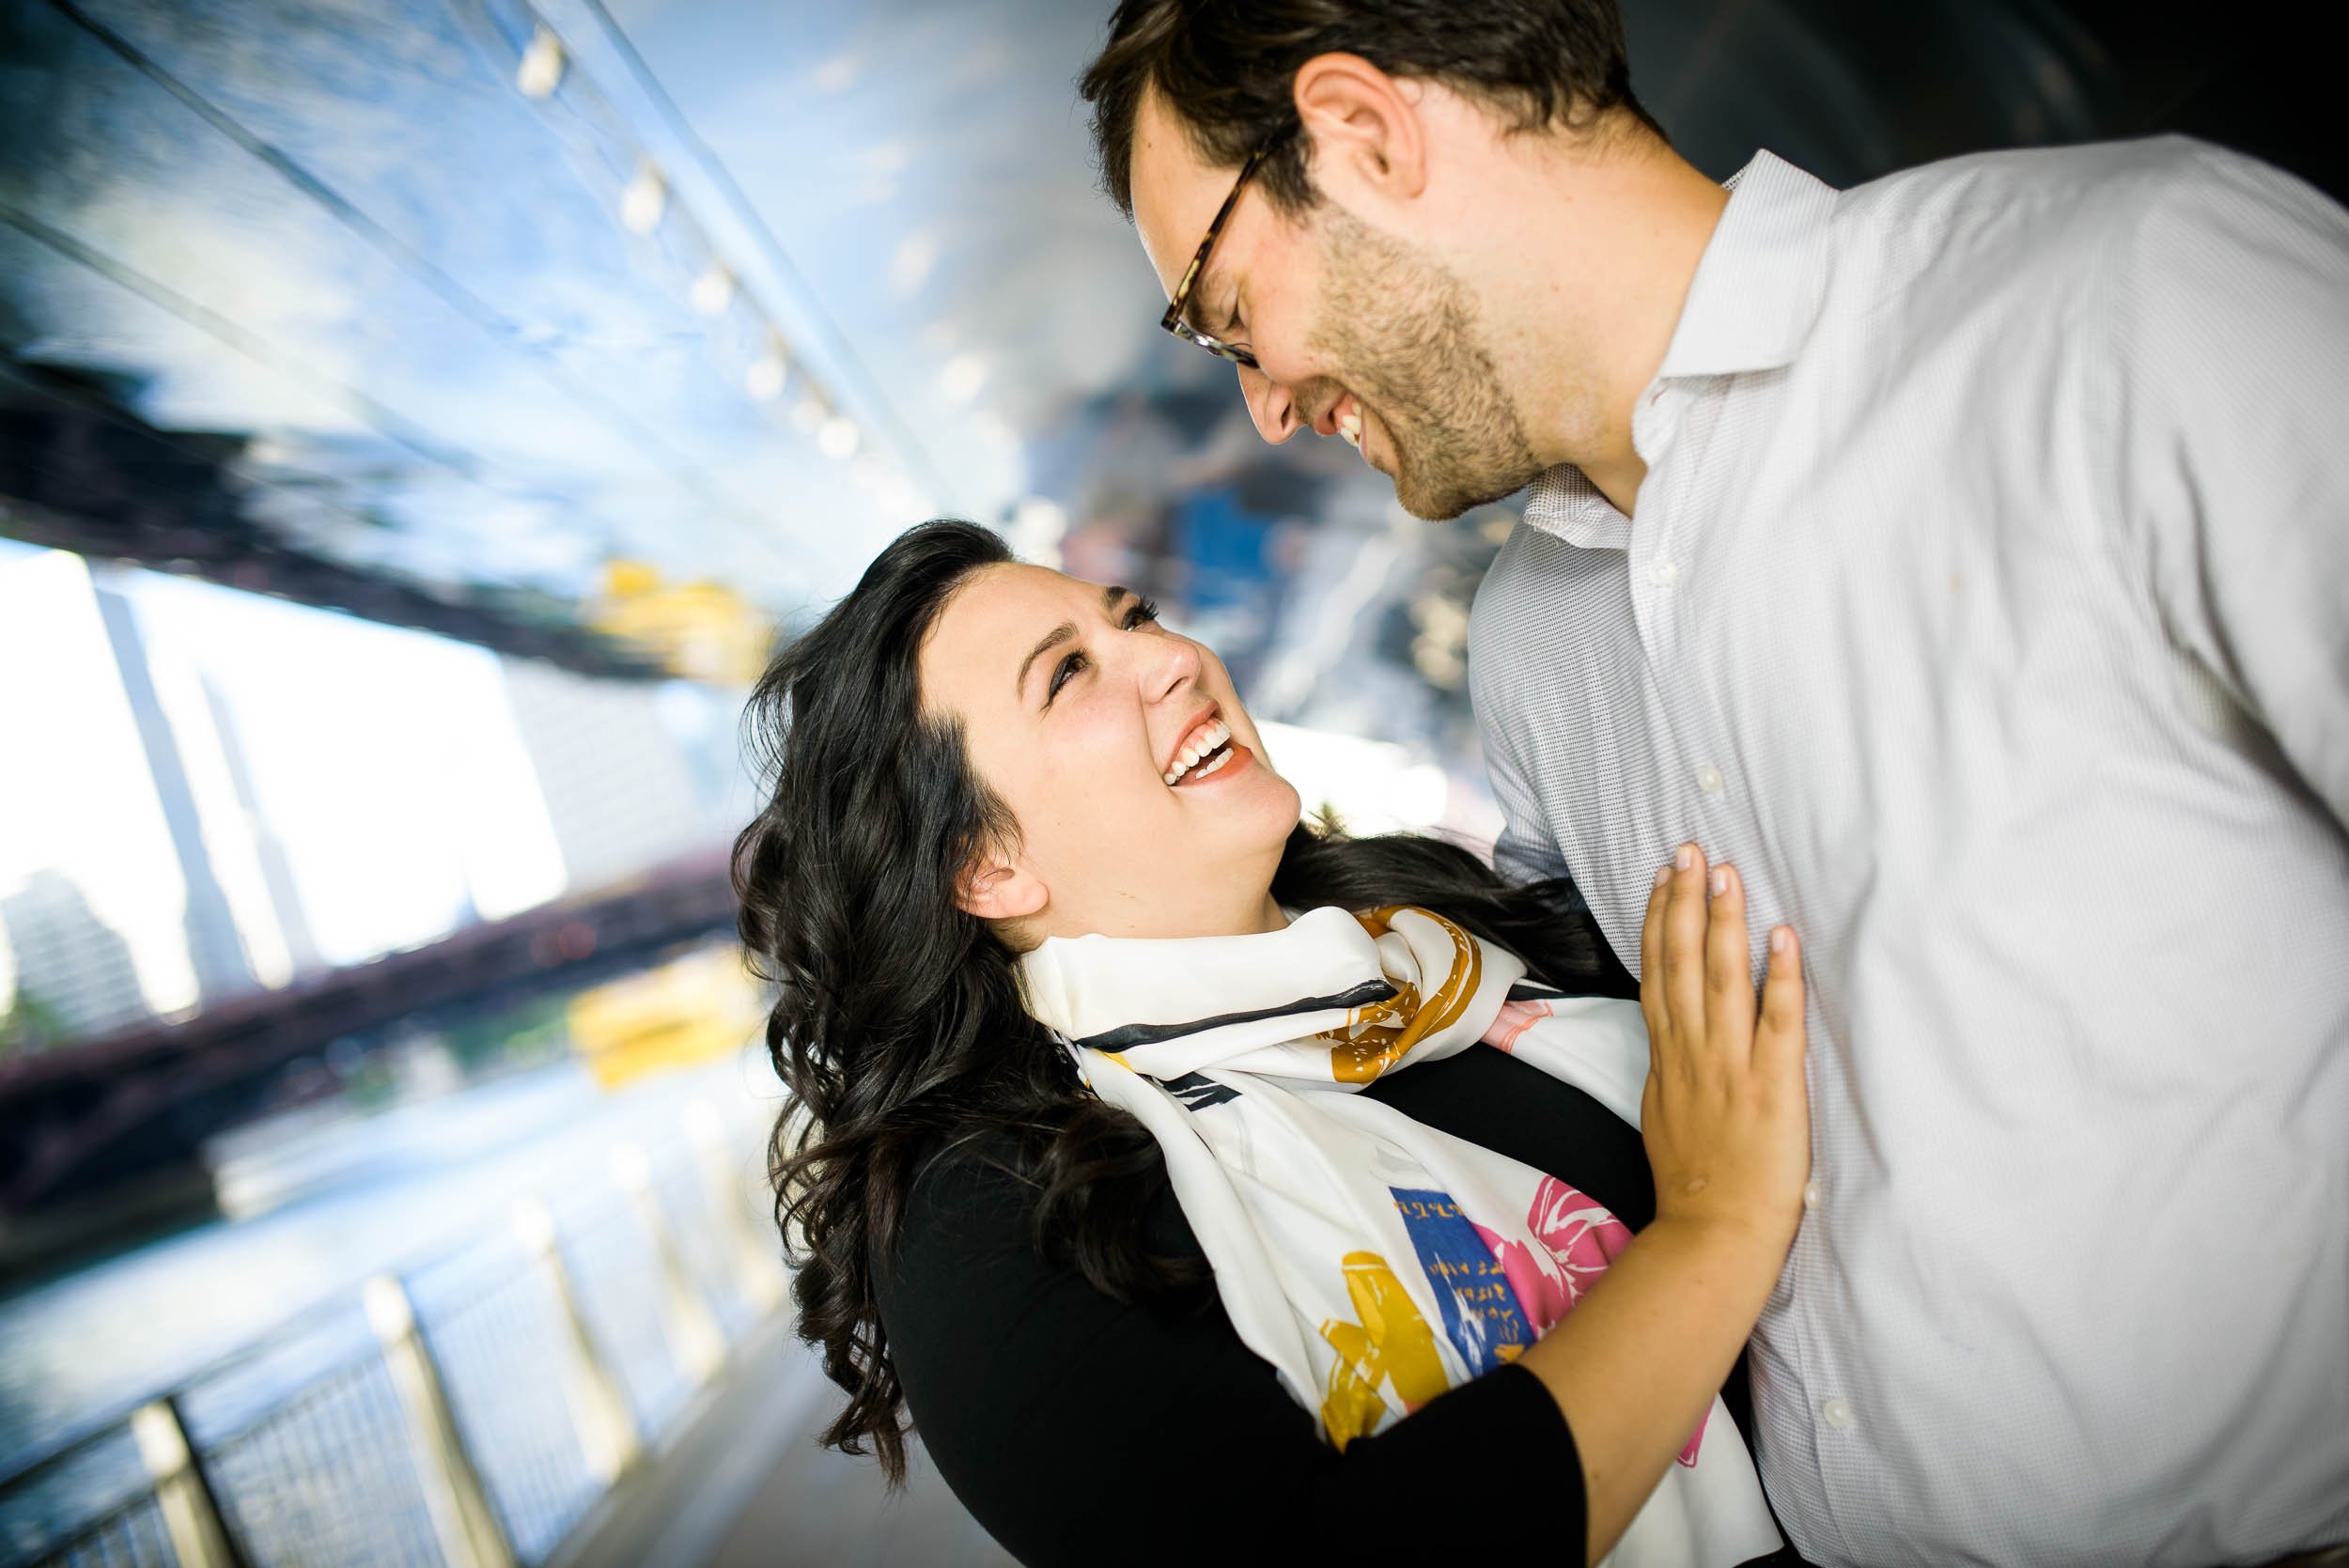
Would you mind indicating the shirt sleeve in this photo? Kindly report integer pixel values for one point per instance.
(1063, 1420)
(2233, 389)
(1526, 850)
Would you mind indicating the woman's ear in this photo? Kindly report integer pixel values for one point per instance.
(995, 887)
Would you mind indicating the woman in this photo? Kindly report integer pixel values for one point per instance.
(1181, 1225)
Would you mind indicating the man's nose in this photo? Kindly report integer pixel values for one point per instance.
(1271, 405)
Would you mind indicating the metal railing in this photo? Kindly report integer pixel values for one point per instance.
(470, 1411)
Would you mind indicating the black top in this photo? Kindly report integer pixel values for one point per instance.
(1079, 1430)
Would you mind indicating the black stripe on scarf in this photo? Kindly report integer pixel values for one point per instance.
(1126, 1036)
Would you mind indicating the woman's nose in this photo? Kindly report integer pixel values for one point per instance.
(1177, 668)
(1270, 404)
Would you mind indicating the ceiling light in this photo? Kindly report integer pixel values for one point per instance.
(1038, 526)
(541, 70)
(713, 291)
(808, 413)
(837, 74)
(838, 437)
(902, 498)
(910, 267)
(768, 373)
(645, 200)
(963, 376)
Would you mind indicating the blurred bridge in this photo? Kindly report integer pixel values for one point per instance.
(94, 1120)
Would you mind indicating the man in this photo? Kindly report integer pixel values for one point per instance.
(1966, 558)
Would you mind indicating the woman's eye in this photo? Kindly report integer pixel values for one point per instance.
(1139, 612)
(1061, 673)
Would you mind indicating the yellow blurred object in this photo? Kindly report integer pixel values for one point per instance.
(700, 630)
(691, 1009)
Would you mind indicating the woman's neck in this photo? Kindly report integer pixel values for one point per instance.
(1163, 920)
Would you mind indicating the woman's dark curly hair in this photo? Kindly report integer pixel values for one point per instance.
(899, 1029)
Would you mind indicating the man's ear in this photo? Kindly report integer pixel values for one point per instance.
(997, 887)
(1364, 125)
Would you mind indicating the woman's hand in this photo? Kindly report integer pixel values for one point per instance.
(1725, 1114)
(1635, 1366)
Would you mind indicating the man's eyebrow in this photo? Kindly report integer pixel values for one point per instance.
(1195, 309)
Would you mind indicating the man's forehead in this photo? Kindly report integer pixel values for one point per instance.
(1175, 190)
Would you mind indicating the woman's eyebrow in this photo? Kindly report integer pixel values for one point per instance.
(1064, 633)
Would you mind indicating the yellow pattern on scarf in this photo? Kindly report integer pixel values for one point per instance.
(1392, 1343)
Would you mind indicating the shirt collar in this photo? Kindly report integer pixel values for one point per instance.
(1565, 503)
(1752, 301)
(1757, 288)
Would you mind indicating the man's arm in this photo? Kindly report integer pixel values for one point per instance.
(1526, 850)
(2231, 387)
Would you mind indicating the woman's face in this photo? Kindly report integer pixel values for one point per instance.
(1076, 707)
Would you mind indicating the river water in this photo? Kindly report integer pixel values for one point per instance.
(355, 1196)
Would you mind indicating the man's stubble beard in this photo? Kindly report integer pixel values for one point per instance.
(1402, 328)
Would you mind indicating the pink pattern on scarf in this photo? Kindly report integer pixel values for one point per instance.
(1578, 1239)
(1515, 1020)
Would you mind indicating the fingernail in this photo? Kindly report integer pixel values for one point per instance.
(1720, 880)
(1686, 858)
(1781, 939)
(1663, 873)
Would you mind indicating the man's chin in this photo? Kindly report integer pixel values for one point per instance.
(1442, 503)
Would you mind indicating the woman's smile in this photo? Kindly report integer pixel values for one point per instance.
(1066, 692)
(1205, 748)
(1229, 760)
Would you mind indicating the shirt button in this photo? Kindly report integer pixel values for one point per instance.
(1709, 780)
(1836, 1413)
(1663, 574)
(1810, 1195)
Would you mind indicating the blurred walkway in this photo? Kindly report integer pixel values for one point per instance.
(745, 1485)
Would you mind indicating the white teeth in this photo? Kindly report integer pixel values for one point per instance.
(1216, 733)
(1351, 429)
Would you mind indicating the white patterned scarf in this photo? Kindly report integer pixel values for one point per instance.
(1375, 1262)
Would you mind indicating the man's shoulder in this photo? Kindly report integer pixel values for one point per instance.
(1515, 618)
(1512, 584)
(1997, 246)
(2053, 201)
(2096, 172)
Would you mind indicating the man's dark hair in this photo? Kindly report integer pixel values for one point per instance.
(1226, 69)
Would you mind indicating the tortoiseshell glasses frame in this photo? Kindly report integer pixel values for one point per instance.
(1172, 320)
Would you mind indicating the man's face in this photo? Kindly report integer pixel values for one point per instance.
(1357, 332)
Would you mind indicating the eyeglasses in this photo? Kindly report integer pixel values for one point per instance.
(1172, 320)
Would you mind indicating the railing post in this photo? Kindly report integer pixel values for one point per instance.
(757, 1258)
(190, 1513)
(599, 1412)
(470, 1534)
(691, 1328)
